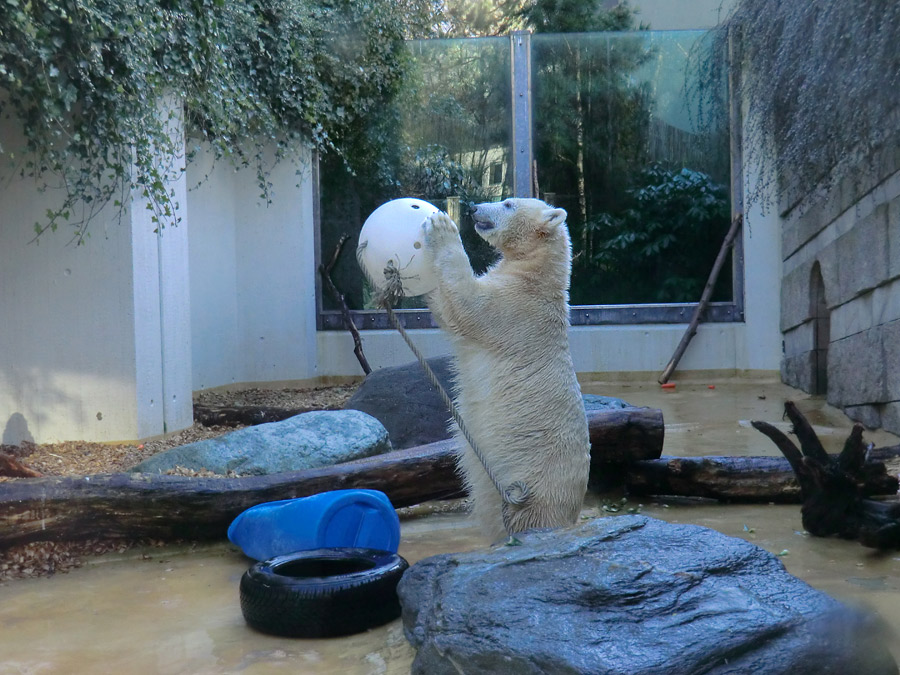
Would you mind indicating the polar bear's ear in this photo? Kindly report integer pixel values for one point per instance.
(553, 218)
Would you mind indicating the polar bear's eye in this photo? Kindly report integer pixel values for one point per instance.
(508, 204)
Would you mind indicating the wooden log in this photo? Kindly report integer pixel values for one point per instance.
(244, 415)
(325, 271)
(739, 479)
(624, 435)
(180, 507)
(728, 242)
(13, 468)
(745, 479)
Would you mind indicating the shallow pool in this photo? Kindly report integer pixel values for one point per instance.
(176, 610)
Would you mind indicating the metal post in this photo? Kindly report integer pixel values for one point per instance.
(735, 118)
(522, 149)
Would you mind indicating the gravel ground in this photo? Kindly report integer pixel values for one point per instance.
(78, 458)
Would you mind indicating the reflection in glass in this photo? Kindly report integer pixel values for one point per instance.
(619, 142)
(445, 139)
(620, 145)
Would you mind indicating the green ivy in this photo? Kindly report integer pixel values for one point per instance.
(86, 80)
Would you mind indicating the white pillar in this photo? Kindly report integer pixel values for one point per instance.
(95, 339)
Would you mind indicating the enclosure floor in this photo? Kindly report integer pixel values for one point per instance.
(176, 610)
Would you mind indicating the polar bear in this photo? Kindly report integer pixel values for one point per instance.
(516, 389)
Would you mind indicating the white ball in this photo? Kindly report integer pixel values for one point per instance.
(395, 233)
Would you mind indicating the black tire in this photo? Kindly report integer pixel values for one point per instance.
(326, 592)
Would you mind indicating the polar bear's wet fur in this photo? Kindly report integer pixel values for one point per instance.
(516, 389)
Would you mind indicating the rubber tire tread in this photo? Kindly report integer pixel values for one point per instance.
(314, 607)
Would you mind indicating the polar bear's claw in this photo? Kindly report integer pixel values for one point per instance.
(440, 228)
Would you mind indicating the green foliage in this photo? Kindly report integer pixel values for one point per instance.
(434, 140)
(478, 18)
(86, 79)
(651, 250)
(637, 228)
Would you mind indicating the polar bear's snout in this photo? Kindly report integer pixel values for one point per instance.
(482, 218)
(492, 215)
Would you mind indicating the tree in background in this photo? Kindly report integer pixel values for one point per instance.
(435, 140)
(596, 142)
(590, 118)
(637, 225)
(480, 18)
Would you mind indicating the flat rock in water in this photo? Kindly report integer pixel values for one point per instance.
(305, 441)
(411, 409)
(630, 595)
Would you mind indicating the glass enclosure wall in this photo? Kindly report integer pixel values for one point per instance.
(623, 137)
(445, 140)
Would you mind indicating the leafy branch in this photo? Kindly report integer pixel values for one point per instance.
(85, 80)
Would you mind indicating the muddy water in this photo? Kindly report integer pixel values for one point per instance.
(176, 610)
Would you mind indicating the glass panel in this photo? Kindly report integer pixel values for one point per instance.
(445, 139)
(621, 144)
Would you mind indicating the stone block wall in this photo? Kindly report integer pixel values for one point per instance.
(844, 244)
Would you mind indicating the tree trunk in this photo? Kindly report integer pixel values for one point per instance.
(586, 240)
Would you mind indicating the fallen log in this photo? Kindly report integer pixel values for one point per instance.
(745, 479)
(738, 479)
(181, 507)
(244, 415)
(624, 435)
(126, 505)
(10, 467)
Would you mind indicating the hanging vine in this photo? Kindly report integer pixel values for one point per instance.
(85, 80)
(821, 85)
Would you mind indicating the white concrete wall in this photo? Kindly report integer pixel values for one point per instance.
(93, 338)
(252, 275)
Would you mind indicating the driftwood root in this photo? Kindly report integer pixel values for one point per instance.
(836, 490)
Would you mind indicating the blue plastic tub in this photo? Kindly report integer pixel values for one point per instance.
(336, 519)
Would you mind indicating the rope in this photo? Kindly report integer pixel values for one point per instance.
(516, 494)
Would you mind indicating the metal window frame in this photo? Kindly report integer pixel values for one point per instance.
(523, 186)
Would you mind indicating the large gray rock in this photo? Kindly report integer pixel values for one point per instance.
(305, 441)
(406, 403)
(411, 409)
(629, 595)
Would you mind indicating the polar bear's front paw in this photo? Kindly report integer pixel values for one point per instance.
(440, 229)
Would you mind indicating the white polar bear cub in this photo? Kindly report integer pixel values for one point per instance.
(516, 389)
